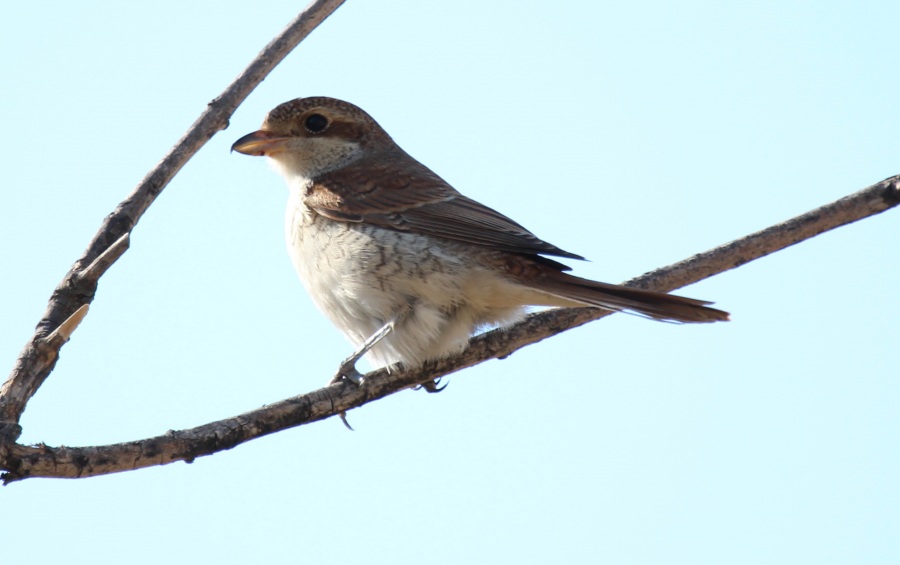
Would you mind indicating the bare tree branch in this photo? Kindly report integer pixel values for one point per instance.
(69, 301)
(186, 445)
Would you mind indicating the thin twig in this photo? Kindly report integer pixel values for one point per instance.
(186, 445)
(79, 286)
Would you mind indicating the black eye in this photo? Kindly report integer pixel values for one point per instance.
(315, 123)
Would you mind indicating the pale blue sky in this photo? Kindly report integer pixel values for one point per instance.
(634, 133)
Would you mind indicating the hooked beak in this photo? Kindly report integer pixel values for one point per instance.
(260, 143)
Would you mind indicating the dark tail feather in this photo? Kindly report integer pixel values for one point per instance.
(657, 305)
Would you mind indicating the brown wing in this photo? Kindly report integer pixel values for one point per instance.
(398, 192)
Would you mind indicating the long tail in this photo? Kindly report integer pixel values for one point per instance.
(657, 305)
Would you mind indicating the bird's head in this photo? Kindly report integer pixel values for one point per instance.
(307, 137)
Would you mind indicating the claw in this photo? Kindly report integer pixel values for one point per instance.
(432, 386)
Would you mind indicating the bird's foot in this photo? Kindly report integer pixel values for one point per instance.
(432, 386)
(347, 372)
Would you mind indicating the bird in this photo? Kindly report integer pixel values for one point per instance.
(407, 267)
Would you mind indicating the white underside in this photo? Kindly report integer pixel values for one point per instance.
(363, 277)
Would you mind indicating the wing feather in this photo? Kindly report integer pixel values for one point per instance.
(388, 191)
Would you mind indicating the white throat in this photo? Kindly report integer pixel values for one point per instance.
(307, 158)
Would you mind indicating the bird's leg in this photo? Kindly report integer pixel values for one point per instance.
(347, 370)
